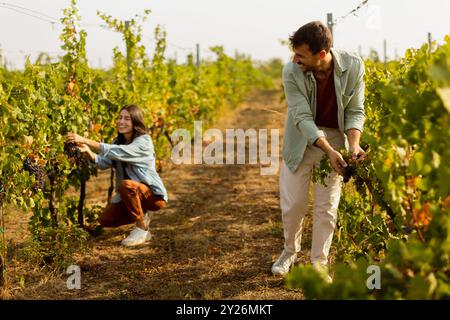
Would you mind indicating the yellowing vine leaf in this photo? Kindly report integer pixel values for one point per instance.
(444, 94)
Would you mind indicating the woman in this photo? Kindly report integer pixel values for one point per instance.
(138, 186)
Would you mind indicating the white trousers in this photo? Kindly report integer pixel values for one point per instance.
(294, 200)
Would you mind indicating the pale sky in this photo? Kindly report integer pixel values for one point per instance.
(253, 27)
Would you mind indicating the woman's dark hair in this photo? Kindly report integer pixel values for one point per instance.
(315, 34)
(137, 118)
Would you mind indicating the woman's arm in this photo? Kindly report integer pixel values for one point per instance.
(100, 162)
(84, 148)
(140, 151)
(137, 152)
(73, 137)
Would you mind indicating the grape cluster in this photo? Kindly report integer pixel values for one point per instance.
(54, 169)
(407, 229)
(71, 150)
(360, 184)
(349, 171)
(31, 166)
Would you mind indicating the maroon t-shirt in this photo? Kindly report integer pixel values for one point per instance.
(326, 112)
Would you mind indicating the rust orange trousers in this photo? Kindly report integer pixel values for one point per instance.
(137, 198)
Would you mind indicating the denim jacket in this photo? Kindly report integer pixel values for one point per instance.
(300, 90)
(137, 159)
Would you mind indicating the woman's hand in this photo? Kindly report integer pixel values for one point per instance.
(79, 140)
(86, 151)
(75, 138)
(84, 148)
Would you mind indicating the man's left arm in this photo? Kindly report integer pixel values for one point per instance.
(354, 114)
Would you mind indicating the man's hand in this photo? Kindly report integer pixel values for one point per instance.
(337, 162)
(357, 153)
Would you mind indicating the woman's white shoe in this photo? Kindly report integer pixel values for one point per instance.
(137, 237)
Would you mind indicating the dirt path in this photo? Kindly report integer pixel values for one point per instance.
(216, 240)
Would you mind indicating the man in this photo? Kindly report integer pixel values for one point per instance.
(324, 89)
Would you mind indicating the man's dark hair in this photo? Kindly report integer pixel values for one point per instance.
(315, 34)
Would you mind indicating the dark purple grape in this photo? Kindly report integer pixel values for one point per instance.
(32, 167)
(28, 165)
(407, 229)
(71, 150)
(349, 171)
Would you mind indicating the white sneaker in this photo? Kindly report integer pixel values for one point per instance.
(323, 271)
(284, 263)
(136, 237)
